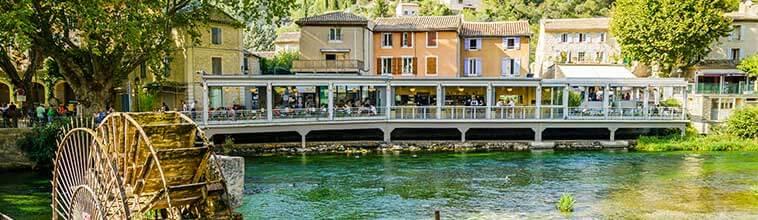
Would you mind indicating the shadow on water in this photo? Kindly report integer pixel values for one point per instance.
(25, 195)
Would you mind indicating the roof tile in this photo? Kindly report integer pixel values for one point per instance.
(576, 24)
(495, 29)
(333, 18)
(418, 23)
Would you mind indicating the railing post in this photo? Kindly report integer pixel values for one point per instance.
(565, 101)
(205, 104)
(490, 97)
(269, 102)
(538, 102)
(440, 99)
(390, 100)
(330, 105)
(684, 103)
(606, 90)
(645, 102)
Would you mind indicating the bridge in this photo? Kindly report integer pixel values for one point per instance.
(306, 104)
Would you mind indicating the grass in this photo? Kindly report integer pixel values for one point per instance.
(694, 142)
(566, 203)
(25, 196)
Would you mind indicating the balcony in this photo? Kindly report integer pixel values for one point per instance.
(715, 88)
(326, 66)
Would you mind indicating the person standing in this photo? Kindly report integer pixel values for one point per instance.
(50, 114)
(40, 114)
(12, 110)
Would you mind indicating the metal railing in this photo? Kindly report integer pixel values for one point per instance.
(464, 112)
(326, 65)
(413, 112)
(715, 88)
(514, 112)
(359, 112)
(301, 113)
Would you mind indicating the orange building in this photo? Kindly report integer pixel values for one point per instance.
(495, 49)
(417, 46)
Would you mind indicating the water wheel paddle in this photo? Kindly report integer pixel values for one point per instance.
(138, 166)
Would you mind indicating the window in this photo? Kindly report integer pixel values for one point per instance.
(407, 65)
(431, 65)
(335, 34)
(143, 71)
(511, 43)
(473, 43)
(387, 40)
(431, 39)
(245, 65)
(510, 67)
(581, 37)
(564, 38)
(736, 34)
(735, 55)
(599, 57)
(407, 39)
(580, 56)
(216, 62)
(472, 67)
(602, 37)
(386, 66)
(216, 35)
(460, 1)
(330, 56)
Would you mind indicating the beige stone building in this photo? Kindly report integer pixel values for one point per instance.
(287, 42)
(334, 42)
(495, 49)
(574, 41)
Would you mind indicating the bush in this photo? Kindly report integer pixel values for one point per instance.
(671, 103)
(279, 64)
(743, 122)
(566, 203)
(40, 144)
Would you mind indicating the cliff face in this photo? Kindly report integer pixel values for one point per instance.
(11, 157)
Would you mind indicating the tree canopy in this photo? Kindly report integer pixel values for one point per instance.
(672, 34)
(749, 65)
(98, 43)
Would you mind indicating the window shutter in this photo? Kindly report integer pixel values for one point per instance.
(414, 66)
(517, 67)
(466, 66)
(588, 36)
(742, 54)
(742, 32)
(558, 37)
(504, 66)
(478, 43)
(478, 67)
(576, 38)
(517, 42)
(396, 63)
(379, 66)
(467, 44)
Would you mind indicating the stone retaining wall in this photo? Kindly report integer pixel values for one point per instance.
(11, 157)
(415, 146)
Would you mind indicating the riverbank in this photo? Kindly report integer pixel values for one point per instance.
(718, 142)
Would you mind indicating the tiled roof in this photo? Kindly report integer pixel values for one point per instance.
(264, 54)
(418, 23)
(495, 29)
(288, 37)
(333, 18)
(576, 24)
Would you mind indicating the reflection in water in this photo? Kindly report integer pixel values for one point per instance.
(502, 185)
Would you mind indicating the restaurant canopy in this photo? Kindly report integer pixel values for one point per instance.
(593, 72)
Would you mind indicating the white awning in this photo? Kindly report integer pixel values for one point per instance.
(733, 72)
(594, 72)
(335, 50)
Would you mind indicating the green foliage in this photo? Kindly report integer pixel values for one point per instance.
(433, 8)
(670, 33)
(743, 122)
(749, 65)
(380, 9)
(147, 102)
(279, 64)
(694, 142)
(575, 99)
(40, 144)
(671, 103)
(566, 203)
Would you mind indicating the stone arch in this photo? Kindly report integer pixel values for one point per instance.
(36, 94)
(63, 92)
(5, 93)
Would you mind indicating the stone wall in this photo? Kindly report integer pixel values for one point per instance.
(11, 157)
(233, 169)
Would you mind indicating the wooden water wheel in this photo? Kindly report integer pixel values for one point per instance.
(138, 166)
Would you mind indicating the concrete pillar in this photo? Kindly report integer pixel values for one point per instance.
(721, 84)
(683, 130)
(565, 101)
(463, 134)
(330, 105)
(538, 134)
(646, 101)
(387, 134)
(440, 100)
(303, 135)
(613, 133)
(606, 96)
(490, 101)
(269, 102)
(684, 103)
(205, 104)
(390, 100)
(538, 102)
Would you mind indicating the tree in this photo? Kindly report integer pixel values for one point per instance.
(672, 34)
(749, 65)
(97, 44)
(19, 57)
(381, 9)
(433, 8)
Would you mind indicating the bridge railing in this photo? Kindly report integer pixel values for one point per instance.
(464, 112)
(514, 112)
(316, 114)
(413, 112)
(360, 113)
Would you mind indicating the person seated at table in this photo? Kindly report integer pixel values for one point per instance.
(347, 109)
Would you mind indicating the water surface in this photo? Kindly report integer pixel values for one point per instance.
(503, 185)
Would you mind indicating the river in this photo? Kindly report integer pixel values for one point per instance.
(503, 185)
(500, 185)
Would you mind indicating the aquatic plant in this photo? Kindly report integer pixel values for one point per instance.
(566, 203)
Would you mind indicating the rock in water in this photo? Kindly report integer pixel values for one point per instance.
(233, 169)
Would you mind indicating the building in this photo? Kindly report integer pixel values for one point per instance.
(336, 42)
(718, 86)
(495, 49)
(287, 42)
(406, 9)
(574, 41)
(418, 46)
(460, 5)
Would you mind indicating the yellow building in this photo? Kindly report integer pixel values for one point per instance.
(495, 49)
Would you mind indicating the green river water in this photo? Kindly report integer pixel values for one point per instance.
(500, 185)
